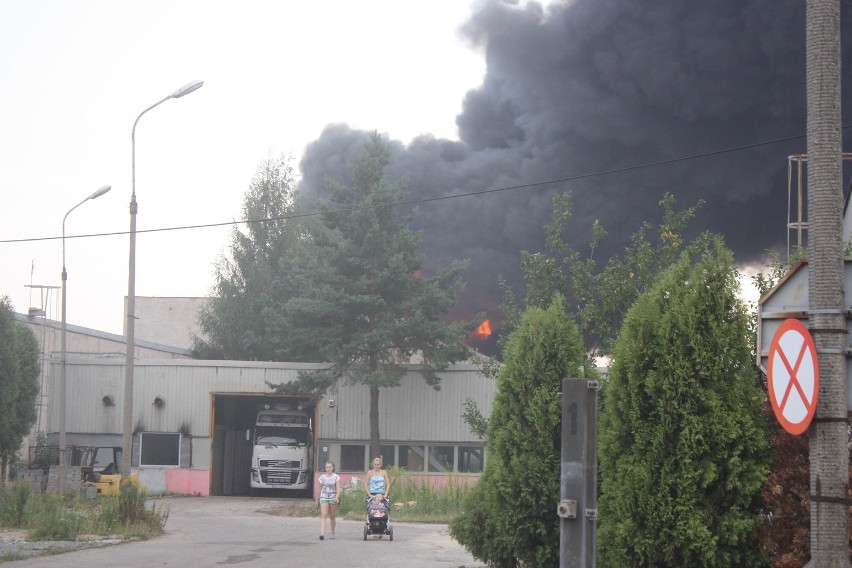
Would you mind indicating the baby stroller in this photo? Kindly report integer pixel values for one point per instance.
(377, 524)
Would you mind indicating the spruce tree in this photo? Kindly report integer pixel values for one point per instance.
(683, 441)
(364, 301)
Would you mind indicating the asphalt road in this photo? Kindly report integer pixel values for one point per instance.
(246, 532)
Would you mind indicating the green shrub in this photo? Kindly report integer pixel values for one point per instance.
(477, 530)
(131, 501)
(108, 517)
(55, 517)
(21, 492)
(64, 517)
(13, 503)
(131, 508)
(508, 519)
(41, 456)
(412, 498)
(683, 440)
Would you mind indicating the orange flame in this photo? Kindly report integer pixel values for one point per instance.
(483, 331)
(479, 335)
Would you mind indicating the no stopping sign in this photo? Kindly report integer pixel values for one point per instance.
(793, 376)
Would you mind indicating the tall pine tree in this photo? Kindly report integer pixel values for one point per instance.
(364, 302)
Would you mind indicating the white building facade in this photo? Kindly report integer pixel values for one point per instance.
(193, 420)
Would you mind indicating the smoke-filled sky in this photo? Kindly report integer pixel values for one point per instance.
(600, 85)
(473, 97)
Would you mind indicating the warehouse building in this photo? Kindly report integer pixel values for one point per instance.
(193, 420)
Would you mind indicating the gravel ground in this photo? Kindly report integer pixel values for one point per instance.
(211, 531)
(14, 544)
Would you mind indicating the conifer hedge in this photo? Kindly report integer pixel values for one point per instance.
(510, 515)
(682, 440)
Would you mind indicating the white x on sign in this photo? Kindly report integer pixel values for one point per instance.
(793, 375)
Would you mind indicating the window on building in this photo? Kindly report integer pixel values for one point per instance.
(441, 458)
(387, 455)
(471, 459)
(352, 457)
(159, 448)
(412, 458)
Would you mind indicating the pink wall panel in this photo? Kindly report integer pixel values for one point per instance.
(188, 481)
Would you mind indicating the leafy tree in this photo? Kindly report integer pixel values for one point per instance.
(600, 295)
(509, 519)
(19, 372)
(363, 301)
(683, 441)
(238, 322)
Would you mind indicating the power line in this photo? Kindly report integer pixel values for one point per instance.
(443, 197)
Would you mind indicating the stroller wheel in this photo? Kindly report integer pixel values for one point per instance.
(365, 533)
(390, 532)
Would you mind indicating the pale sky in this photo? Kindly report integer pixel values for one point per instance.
(75, 75)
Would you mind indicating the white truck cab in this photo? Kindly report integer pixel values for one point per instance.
(282, 452)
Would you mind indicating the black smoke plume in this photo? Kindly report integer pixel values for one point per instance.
(599, 85)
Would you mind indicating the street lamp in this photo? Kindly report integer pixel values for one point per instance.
(130, 314)
(63, 458)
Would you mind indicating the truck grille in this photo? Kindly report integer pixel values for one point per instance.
(279, 477)
(286, 464)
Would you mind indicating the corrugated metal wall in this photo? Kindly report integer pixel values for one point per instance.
(413, 411)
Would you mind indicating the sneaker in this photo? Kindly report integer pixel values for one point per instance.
(331, 537)
(322, 537)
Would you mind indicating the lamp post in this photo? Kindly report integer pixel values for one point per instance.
(130, 314)
(63, 458)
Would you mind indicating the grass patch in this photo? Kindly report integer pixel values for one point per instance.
(12, 556)
(412, 499)
(66, 516)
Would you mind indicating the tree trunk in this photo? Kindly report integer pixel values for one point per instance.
(829, 474)
(375, 438)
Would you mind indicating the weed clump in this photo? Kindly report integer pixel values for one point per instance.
(66, 516)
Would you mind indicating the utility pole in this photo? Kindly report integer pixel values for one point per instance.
(829, 450)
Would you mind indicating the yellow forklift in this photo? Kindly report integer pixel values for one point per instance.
(99, 467)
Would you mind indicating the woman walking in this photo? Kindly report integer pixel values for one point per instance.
(377, 482)
(329, 498)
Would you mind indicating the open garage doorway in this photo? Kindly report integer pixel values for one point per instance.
(234, 419)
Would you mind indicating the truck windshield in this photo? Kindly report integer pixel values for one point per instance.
(281, 436)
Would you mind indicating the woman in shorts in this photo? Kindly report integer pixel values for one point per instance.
(329, 498)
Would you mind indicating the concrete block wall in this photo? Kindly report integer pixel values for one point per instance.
(71, 480)
(37, 478)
